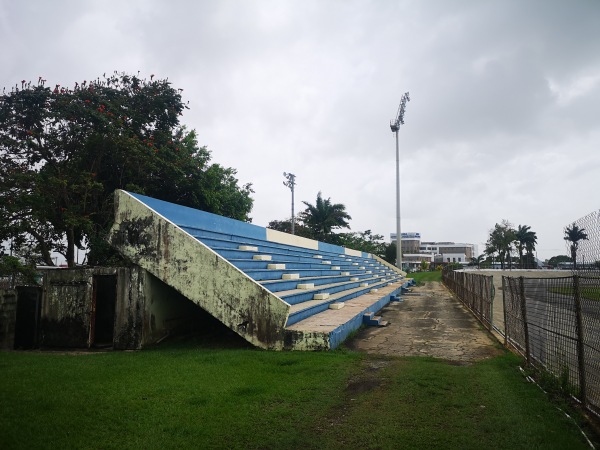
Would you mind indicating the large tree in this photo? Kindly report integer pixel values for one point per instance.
(555, 260)
(323, 217)
(500, 241)
(63, 152)
(574, 234)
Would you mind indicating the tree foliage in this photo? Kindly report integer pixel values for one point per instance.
(286, 226)
(574, 234)
(63, 152)
(11, 266)
(364, 241)
(319, 221)
(323, 217)
(476, 261)
(525, 241)
(500, 242)
(503, 239)
(558, 259)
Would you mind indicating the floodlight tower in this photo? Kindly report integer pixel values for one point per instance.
(291, 182)
(395, 126)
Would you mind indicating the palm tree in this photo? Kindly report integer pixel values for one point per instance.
(501, 240)
(476, 261)
(525, 240)
(530, 244)
(574, 234)
(322, 217)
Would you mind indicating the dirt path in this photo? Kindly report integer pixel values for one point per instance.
(429, 322)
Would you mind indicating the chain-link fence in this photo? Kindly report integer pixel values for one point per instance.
(475, 291)
(554, 323)
(587, 244)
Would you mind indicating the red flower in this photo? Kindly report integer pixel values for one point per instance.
(87, 101)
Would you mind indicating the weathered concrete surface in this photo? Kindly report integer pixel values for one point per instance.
(317, 332)
(210, 281)
(429, 322)
(66, 318)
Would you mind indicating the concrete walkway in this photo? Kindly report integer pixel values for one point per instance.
(429, 322)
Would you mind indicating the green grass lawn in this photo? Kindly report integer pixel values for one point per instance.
(421, 277)
(589, 292)
(188, 396)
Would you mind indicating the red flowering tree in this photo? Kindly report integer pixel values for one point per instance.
(63, 152)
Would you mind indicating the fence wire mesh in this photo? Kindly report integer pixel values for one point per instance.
(554, 323)
(475, 291)
(588, 249)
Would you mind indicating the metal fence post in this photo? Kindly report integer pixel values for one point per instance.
(524, 315)
(580, 347)
(491, 301)
(504, 310)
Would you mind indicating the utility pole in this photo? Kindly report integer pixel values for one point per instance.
(291, 182)
(395, 126)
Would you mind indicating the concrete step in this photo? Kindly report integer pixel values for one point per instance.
(371, 320)
(329, 328)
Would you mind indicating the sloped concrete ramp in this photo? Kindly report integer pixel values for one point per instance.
(156, 244)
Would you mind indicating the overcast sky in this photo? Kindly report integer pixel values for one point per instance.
(503, 122)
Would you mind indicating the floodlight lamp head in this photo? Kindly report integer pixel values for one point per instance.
(291, 180)
(395, 126)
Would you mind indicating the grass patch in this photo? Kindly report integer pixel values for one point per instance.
(421, 277)
(589, 292)
(182, 397)
(428, 403)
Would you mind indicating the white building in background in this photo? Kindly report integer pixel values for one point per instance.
(414, 251)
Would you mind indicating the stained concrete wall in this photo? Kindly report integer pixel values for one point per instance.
(173, 256)
(8, 314)
(66, 308)
(167, 312)
(146, 309)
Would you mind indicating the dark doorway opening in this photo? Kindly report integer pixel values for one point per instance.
(28, 316)
(104, 301)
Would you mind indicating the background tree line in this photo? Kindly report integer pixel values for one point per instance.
(516, 247)
(321, 220)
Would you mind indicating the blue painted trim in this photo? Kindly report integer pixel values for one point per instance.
(183, 216)
(337, 336)
(324, 247)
